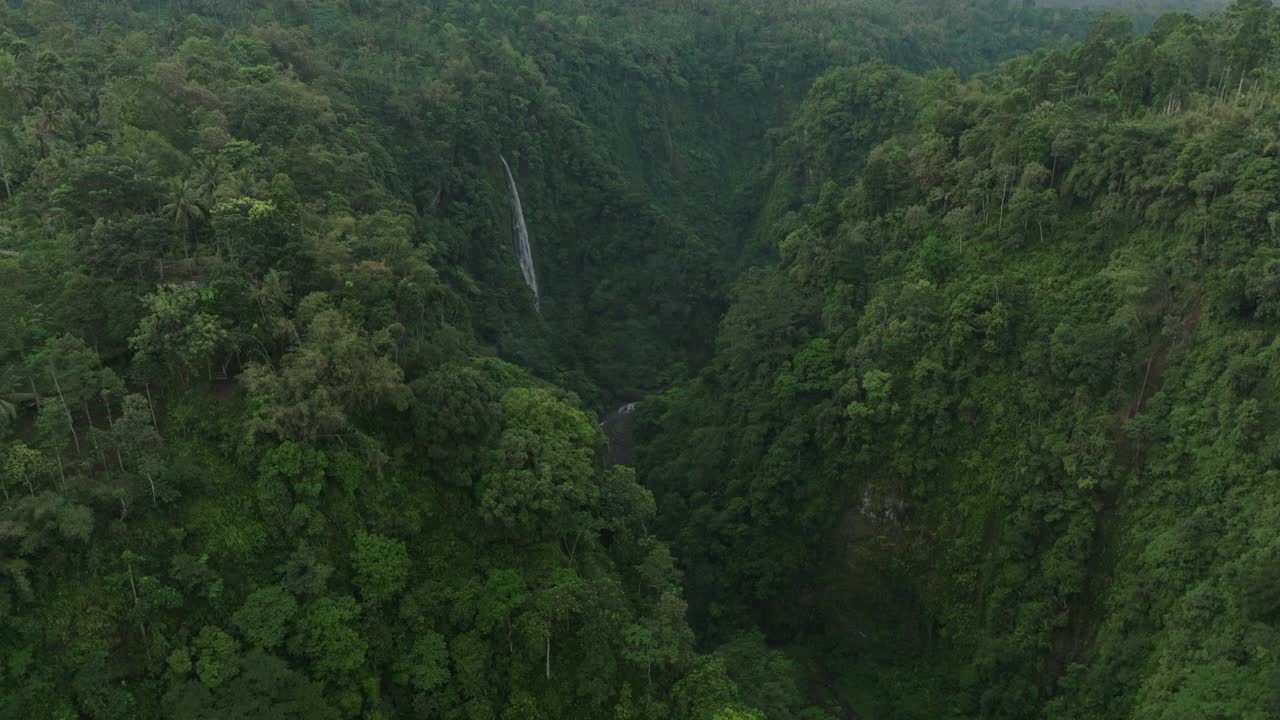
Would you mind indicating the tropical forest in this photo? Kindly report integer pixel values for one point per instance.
(640, 360)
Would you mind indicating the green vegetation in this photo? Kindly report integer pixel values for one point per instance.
(992, 438)
(956, 321)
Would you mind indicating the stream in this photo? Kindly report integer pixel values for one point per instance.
(619, 429)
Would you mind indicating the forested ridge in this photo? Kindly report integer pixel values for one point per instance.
(951, 324)
(993, 436)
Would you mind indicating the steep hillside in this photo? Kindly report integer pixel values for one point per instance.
(282, 431)
(992, 438)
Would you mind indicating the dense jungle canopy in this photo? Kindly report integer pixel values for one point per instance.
(942, 336)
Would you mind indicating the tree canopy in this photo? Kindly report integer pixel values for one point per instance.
(946, 331)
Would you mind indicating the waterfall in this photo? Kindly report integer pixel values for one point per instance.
(619, 431)
(520, 237)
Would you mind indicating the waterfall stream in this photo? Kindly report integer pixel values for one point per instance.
(520, 237)
(619, 430)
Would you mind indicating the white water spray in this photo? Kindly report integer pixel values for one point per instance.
(520, 237)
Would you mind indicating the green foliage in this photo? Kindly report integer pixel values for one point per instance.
(543, 472)
(336, 371)
(291, 467)
(265, 689)
(997, 409)
(256, 279)
(215, 656)
(265, 616)
(768, 680)
(177, 334)
(24, 467)
(327, 639)
(707, 693)
(504, 591)
(381, 565)
(427, 663)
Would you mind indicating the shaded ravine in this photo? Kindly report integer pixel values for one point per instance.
(619, 429)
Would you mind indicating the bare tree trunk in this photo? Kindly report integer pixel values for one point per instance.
(573, 549)
(62, 475)
(1003, 191)
(93, 436)
(548, 654)
(133, 586)
(262, 310)
(70, 423)
(152, 407)
(152, 483)
(112, 424)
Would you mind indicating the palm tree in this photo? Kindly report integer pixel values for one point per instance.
(184, 208)
(141, 165)
(240, 184)
(8, 411)
(17, 86)
(212, 176)
(42, 129)
(81, 129)
(9, 399)
(11, 155)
